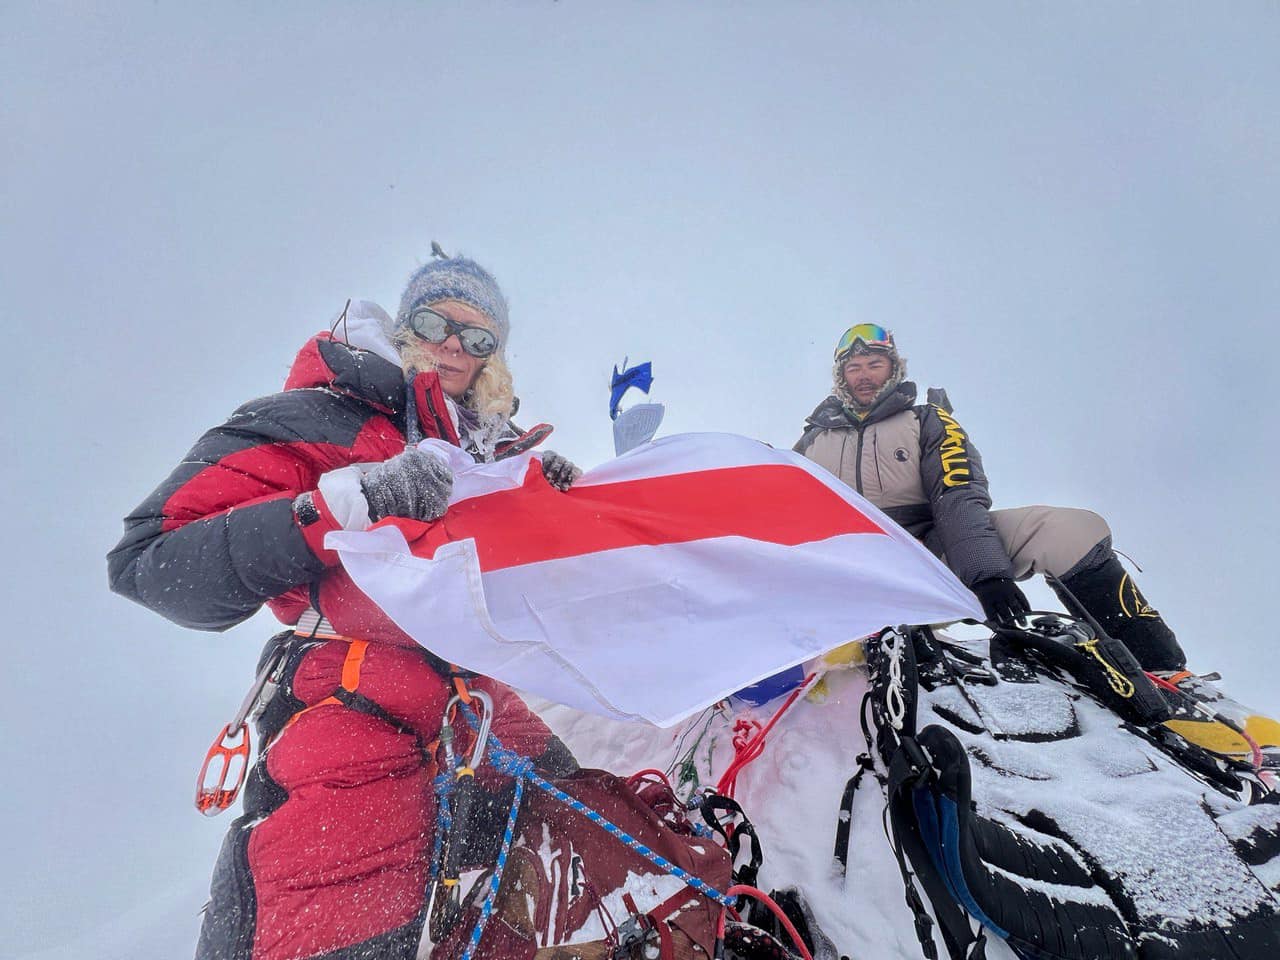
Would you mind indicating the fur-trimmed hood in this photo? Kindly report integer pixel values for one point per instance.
(840, 388)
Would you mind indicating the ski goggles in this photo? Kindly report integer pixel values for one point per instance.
(435, 327)
(871, 334)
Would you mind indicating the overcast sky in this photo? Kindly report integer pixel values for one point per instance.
(1068, 214)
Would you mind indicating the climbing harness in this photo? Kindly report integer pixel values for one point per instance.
(226, 763)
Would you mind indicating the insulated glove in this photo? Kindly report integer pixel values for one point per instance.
(412, 484)
(1002, 600)
(559, 471)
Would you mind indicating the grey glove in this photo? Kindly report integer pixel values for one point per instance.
(411, 484)
(559, 471)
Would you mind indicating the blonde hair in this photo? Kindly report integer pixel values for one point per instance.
(491, 394)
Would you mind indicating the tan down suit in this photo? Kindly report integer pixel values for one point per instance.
(917, 464)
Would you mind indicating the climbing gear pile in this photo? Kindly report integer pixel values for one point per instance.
(637, 828)
(1034, 878)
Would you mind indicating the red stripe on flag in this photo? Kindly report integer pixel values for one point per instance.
(774, 503)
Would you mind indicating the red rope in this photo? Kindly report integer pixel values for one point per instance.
(753, 747)
(742, 890)
(1255, 751)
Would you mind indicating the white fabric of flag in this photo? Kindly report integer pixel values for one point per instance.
(663, 581)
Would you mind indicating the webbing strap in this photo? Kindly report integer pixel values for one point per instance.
(313, 626)
(460, 685)
(351, 665)
(844, 823)
(362, 704)
(326, 702)
(350, 680)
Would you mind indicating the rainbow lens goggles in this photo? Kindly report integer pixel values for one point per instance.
(437, 328)
(871, 334)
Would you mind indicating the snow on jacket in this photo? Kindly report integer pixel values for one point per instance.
(221, 535)
(917, 464)
(331, 856)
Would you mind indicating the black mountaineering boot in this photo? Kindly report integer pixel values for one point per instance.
(1114, 600)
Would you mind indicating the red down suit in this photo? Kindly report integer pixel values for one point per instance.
(331, 855)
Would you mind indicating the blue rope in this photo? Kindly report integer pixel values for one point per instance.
(510, 763)
(521, 769)
(495, 881)
(444, 822)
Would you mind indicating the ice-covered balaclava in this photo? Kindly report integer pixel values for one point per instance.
(455, 278)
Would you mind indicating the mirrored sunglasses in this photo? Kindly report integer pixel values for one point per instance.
(435, 327)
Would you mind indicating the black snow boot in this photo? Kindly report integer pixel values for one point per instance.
(1114, 600)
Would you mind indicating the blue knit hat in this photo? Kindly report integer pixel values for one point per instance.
(455, 278)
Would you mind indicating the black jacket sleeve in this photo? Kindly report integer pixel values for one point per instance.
(956, 485)
(219, 536)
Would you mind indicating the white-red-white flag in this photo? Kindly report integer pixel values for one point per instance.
(663, 581)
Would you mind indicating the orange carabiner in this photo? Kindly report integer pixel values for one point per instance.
(213, 798)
